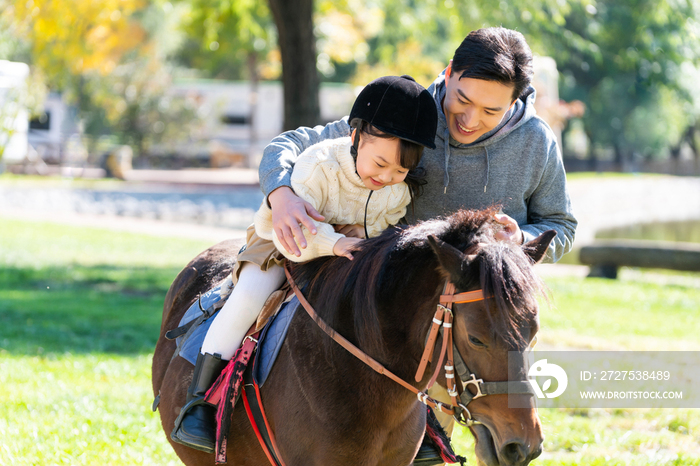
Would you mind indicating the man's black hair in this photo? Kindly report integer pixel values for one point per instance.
(495, 54)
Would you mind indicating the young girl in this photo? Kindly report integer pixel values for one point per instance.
(359, 183)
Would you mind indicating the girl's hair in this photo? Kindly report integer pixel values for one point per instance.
(410, 155)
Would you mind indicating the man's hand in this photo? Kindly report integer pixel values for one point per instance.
(289, 212)
(510, 231)
(344, 246)
(351, 231)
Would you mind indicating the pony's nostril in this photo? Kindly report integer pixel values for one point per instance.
(513, 453)
(536, 452)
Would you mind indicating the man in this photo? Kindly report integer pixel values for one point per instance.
(491, 148)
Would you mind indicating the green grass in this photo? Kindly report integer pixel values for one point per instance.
(79, 410)
(67, 289)
(80, 312)
(639, 314)
(612, 437)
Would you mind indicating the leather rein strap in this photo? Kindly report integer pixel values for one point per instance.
(446, 301)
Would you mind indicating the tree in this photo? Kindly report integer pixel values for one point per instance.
(627, 62)
(108, 58)
(139, 106)
(72, 37)
(73, 41)
(420, 37)
(231, 36)
(297, 43)
(225, 38)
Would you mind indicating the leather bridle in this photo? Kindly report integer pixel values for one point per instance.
(455, 362)
(442, 321)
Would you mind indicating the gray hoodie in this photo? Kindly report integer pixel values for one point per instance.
(517, 165)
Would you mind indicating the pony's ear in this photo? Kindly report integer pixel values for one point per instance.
(452, 260)
(537, 248)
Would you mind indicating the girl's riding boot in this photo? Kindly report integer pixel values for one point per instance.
(195, 427)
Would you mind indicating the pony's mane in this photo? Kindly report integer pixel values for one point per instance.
(506, 273)
(347, 292)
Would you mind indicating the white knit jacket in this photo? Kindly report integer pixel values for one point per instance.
(325, 176)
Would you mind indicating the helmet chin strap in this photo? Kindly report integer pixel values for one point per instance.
(366, 206)
(353, 151)
(355, 145)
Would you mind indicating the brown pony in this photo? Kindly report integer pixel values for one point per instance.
(326, 407)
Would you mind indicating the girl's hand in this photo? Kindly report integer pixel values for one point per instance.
(344, 246)
(351, 231)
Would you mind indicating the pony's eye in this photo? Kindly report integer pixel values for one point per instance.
(475, 341)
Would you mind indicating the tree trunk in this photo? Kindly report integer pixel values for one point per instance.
(295, 29)
(691, 137)
(592, 156)
(695, 137)
(620, 158)
(675, 153)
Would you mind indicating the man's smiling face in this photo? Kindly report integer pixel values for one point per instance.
(474, 107)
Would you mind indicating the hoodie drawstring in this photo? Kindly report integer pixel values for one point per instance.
(486, 181)
(446, 180)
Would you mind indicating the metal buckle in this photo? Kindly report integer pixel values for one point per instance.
(445, 309)
(474, 381)
(463, 421)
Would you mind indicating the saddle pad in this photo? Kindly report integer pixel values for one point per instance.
(190, 348)
(206, 300)
(271, 340)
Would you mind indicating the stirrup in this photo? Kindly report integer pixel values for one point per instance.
(177, 434)
(186, 409)
(427, 455)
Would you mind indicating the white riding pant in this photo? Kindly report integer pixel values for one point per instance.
(242, 308)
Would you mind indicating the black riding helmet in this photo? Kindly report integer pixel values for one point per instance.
(399, 106)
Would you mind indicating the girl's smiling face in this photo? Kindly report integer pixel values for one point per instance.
(378, 161)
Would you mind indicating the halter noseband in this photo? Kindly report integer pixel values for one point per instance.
(442, 320)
